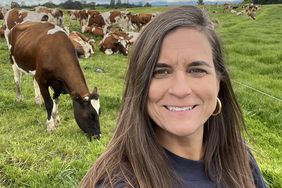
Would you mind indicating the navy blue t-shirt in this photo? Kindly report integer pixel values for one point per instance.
(193, 172)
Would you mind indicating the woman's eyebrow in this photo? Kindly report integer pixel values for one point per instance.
(160, 65)
(199, 63)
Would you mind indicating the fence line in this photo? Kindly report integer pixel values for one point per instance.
(261, 92)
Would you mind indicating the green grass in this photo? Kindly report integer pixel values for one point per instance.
(31, 157)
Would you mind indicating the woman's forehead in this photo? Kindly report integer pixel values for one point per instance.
(186, 44)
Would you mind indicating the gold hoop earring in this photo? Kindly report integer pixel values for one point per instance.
(219, 107)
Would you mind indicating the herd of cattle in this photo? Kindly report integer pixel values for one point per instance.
(40, 45)
(248, 9)
(119, 29)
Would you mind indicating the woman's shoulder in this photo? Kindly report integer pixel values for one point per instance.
(258, 177)
(117, 185)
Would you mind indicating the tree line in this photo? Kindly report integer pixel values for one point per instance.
(263, 2)
(71, 4)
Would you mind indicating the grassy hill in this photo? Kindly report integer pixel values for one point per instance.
(31, 157)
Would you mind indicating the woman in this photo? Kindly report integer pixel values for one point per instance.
(180, 124)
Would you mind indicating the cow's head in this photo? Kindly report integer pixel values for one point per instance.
(59, 17)
(86, 113)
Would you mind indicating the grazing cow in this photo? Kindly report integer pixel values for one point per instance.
(83, 45)
(251, 10)
(74, 14)
(96, 20)
(140, 20)
(108, 19)
(117, 19)
(45, 51)
(226, 7)
(117, 42)
(83, 16)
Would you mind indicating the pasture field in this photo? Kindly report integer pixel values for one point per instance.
(31, 157)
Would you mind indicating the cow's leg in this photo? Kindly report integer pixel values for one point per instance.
(38, 99)
(55, 112)
(48, 105)
(6, 32)
(17, 78)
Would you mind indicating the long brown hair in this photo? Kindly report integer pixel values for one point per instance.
(134, 156)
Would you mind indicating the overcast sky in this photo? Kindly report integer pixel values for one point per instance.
(36, 2)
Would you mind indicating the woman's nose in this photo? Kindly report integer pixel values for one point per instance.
(180, 86)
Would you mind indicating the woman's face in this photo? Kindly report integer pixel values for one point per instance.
(184, 87)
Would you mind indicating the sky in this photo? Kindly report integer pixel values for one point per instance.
(36, 2)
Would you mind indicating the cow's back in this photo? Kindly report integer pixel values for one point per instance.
(32, 42)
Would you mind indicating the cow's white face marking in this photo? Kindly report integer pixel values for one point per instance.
(123, 43)
(55, 29)
(87, 48)
(108, 52)
(96, 105)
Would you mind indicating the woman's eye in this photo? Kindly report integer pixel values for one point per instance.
(197, 71)
(160, 73)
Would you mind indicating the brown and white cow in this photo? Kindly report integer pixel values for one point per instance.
(96, 20)
(94, 30)
(106, 20)
(83, 16)
(83, 45)
(73, 14)
(226, 7)
(45, 51)
(16, 16)
(55, 15)
(251, 10)
(140, 20)
(117, 42)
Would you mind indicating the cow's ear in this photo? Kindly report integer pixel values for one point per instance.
(95, 90)
(94, 94)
